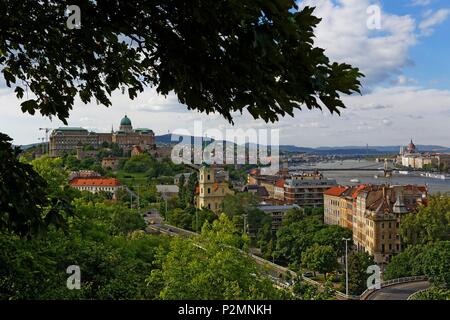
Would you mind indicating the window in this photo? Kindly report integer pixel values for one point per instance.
(209, 177)
(382, 248)
(209, 190)
(382, 225)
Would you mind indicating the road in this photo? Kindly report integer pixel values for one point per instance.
(399, 291)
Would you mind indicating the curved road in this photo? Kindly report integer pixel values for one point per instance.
(399, 291)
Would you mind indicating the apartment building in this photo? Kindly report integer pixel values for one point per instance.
(307, 189)
(374, 214)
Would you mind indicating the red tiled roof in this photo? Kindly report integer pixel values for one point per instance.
(335, 191)
(358, 190)
(95, 182)
(280, 183)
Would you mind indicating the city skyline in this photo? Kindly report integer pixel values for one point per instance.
(404, 93)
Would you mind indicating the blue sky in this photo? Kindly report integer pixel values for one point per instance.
(406, 89)
(430, 56)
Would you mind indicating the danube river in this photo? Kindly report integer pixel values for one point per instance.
(373, 177)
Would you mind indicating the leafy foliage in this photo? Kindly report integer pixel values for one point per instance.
(431, 223)
(432, 260)
(211, 267)
(25, 205)
(319, 258)
(301, 229)
(100, 239)
(220, 57)
(358, 262)
(433, 294)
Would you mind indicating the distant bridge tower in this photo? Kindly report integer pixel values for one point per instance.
(387, 171)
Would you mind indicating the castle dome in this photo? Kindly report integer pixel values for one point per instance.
(125, 121)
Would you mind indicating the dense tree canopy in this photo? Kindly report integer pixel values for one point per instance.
(358, 262)
(27, 204)
(431, 223)
(211, 267)
(431, 260)
(320, 258)
(220, 57)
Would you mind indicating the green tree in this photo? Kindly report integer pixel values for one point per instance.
(211, 267)
(431, 260)
(358, 262)
(332, 236)
(433, 294)
(320, 258)
(27, 202)
(293, 238)
(138, 164)
(239, 203)
(182, 191)
(200, 216)
(180, 218)
(431, 223)
(190, 189)
(272, 64)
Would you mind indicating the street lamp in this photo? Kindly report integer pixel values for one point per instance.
(346, 264)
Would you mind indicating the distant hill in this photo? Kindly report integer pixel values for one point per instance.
(28, 146)
(345, 150)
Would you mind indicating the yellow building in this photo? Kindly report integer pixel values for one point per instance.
(375, 215)
(212, 188)
(335, 206)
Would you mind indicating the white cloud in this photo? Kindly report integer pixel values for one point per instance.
(403, 80)
(433, 19)
(420, 2)
(344, 34)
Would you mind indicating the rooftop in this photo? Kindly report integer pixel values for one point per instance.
(70, 129)
(95, 182)
(336, 191)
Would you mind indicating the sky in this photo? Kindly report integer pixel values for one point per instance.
(406, 91)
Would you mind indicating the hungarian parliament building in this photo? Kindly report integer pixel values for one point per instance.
(66, 139)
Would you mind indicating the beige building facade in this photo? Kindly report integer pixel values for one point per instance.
(374, 214)
(212, 188)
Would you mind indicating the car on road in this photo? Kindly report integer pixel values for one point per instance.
(308, 274)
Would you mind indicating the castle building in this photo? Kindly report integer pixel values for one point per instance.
(66, 139)
(212, 188)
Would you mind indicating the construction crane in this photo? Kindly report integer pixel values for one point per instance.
(42, 144)
(47, 130)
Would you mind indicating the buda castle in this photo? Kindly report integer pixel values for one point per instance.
(67, 139)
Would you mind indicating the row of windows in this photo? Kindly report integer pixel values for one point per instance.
(390, 225)
(96, 188)
(383, 248)
(209, 190)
